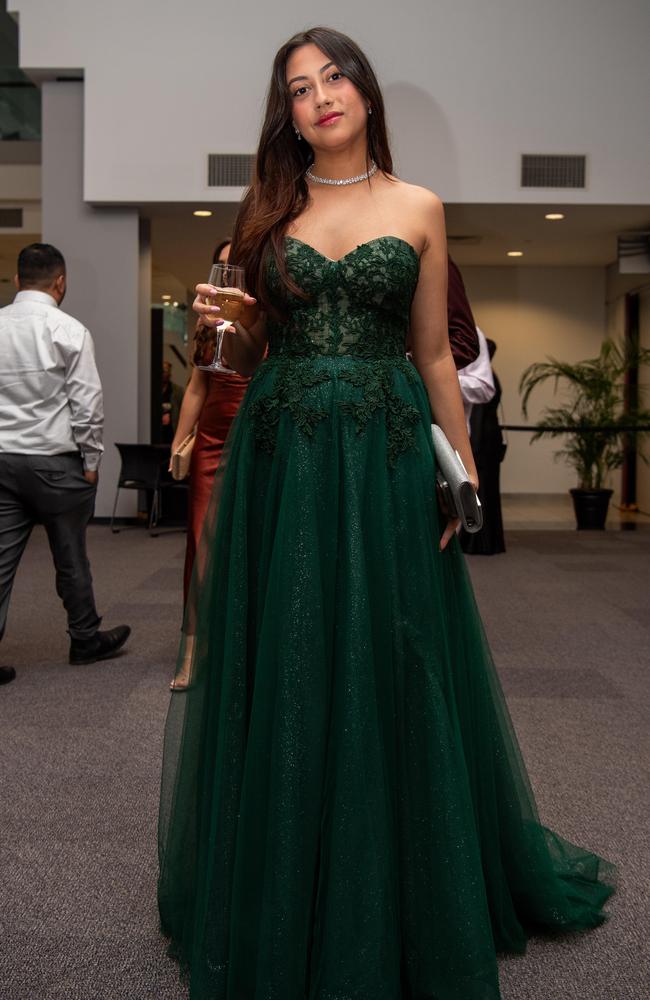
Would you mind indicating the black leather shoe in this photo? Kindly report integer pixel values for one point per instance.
(102, 646)
(7, 674)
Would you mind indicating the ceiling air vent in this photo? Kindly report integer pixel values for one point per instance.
(230, 169)
(541, 171)
(11, 218)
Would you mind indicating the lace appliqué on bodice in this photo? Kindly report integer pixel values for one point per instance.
(374, 380)
(292, 381)
(358, 308)
(358, 305)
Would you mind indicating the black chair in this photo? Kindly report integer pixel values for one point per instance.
(144, 467)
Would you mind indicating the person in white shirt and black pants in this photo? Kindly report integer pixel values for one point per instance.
(51, 422)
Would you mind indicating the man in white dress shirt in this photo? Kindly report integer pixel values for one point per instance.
(476, 379)
(51, 423)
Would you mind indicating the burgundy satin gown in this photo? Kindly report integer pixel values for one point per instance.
(225, 393)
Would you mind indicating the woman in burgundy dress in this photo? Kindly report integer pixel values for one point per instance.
(210, 402)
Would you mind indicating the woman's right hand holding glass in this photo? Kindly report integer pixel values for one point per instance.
(208, 314)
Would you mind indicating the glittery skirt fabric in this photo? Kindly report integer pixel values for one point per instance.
(345, 814)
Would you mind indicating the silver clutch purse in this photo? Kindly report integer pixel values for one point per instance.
(456, 490)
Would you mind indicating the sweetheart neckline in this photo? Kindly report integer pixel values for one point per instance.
(367, 243)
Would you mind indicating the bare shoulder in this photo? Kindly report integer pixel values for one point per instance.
(421, 199)
(419, 209)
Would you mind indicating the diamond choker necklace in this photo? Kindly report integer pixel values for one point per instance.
(345, 180)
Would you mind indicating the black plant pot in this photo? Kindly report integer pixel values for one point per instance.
(591, 508)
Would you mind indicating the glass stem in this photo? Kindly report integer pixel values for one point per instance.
(221, 330)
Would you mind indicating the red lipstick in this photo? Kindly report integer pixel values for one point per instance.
(329, 117)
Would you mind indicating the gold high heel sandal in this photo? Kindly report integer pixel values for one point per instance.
(181, 681)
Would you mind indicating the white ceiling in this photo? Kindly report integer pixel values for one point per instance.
(585, 237)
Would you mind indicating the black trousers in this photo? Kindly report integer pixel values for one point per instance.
(51, 490)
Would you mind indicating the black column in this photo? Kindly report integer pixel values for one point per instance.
(631, 399)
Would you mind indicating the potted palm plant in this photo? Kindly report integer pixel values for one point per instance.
(595, 419)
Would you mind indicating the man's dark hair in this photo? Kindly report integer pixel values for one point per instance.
(39, 265)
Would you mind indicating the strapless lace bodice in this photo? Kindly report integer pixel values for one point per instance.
(339, 355)
(358, 305)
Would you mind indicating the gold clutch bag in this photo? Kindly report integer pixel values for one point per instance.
(182, 457)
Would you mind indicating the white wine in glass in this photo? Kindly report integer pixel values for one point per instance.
(228, 279)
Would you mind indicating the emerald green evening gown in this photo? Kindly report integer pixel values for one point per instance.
(345, 814)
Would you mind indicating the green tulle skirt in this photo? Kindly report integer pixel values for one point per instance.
(345, 813)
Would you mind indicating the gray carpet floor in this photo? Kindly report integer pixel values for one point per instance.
(569, 622)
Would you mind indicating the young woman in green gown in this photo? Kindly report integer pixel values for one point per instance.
(345, 814)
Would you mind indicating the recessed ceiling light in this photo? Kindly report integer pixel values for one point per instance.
(165, 298)
(515, 253)
(202, 213)
(175, 304)
(554, 216)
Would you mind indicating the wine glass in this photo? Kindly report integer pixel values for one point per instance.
(228, 279)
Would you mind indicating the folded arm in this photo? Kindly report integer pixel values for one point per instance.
(476, 379)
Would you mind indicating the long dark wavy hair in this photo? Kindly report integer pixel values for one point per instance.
(278, 192)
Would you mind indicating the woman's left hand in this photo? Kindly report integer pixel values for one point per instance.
(453, 524)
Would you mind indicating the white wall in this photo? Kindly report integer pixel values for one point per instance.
(470, 86)
(532, 312)
(20, 182)
(108, 278)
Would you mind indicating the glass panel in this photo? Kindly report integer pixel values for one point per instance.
(20, 106)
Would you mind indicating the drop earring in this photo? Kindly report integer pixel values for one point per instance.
(297, 131)
(369, 110)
